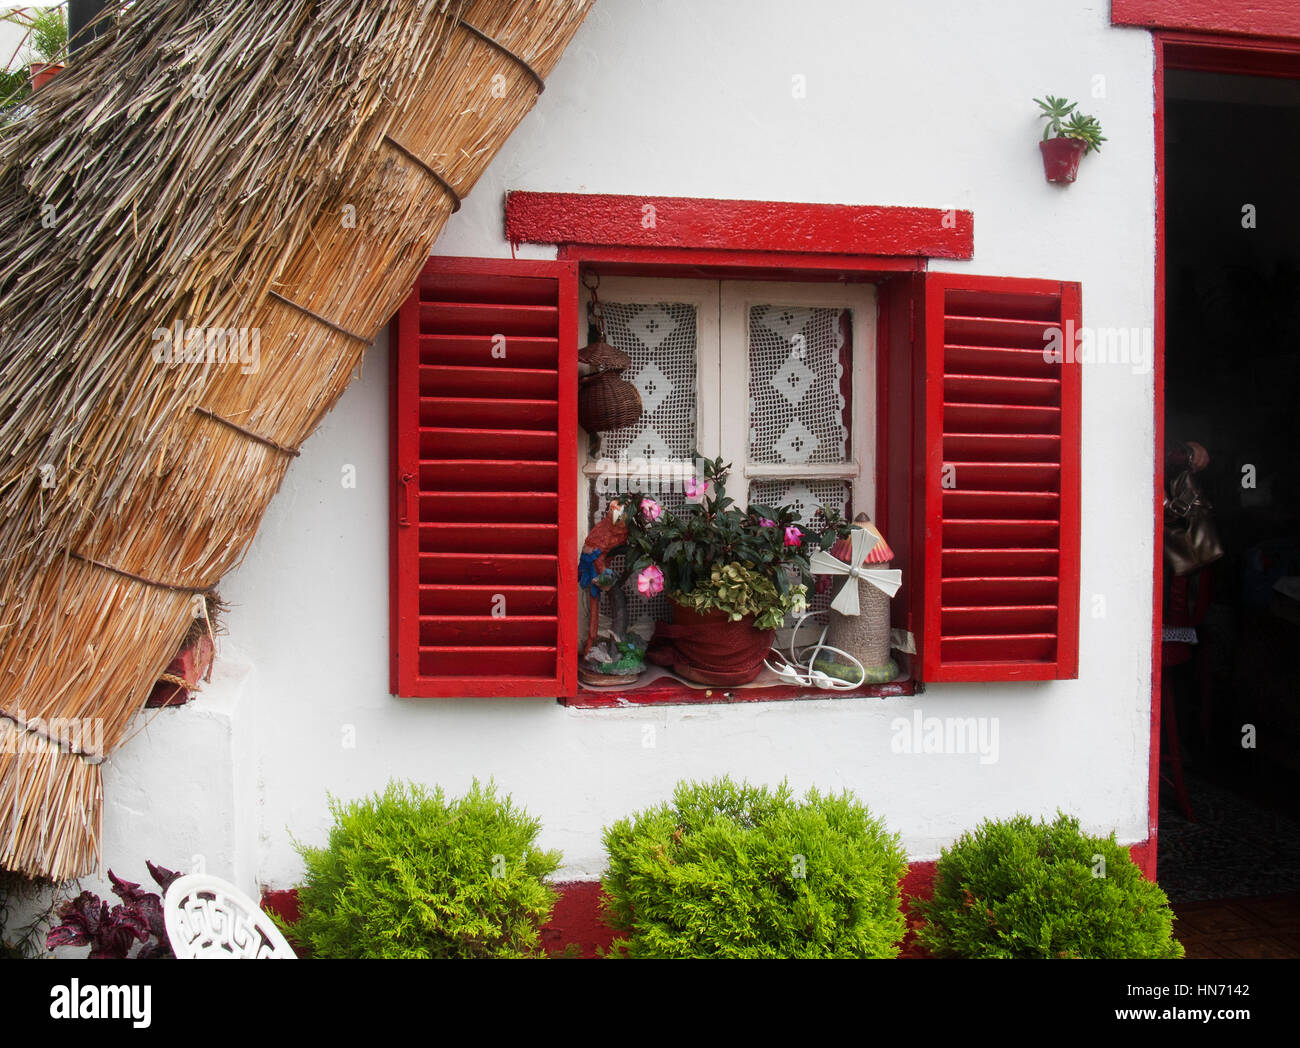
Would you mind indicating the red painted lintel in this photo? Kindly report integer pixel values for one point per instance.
(1279, 18)
(738, 225)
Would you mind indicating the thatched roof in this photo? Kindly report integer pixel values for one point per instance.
(225, 166)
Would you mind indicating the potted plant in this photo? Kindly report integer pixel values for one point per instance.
(45, 33)
(731, 576)
(1068, 135)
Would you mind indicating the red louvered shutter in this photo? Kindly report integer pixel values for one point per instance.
(1001, 501)
(484, 554)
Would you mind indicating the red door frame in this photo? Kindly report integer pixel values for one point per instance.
(1209, 53)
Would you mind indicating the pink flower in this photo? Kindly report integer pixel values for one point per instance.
(767, 523)
(651, 509)
(650, 581)
(793, 536)
(695, 488)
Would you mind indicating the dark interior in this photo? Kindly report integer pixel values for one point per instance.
(1232, 383)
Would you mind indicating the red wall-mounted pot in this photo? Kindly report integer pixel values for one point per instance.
(1061, 158)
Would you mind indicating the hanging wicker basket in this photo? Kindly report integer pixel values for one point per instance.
(606, 400)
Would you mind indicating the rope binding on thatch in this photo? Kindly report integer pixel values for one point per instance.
(428, 170)
(174, 587)
(291, 452)
(521, 62)
(364, 340)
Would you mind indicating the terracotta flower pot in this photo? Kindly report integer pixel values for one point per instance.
(1061, 158)
(708, 648)
(43, 72)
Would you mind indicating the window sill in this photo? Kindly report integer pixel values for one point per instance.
(667, 692)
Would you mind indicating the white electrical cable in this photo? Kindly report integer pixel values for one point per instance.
(803, 674)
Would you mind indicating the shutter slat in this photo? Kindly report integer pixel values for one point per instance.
(968, 562)
(1011, 447)
(449, 537)
(440, 380)
(1000, 649)
(490, 318)
(1002, 389)
(1011, 505)
(519, 444)
(998, 361)
(996, 331)
(993, 591)
(1006, 620)
(489, 507)
(472, 474)
(485, 487)
(1000, 590)
(481, 600)
(1001, 534)
(487, 630)
(523, 669)
(488, 413)
(1006, 476)
(479, 568)
(521, 351)
(1001, 418)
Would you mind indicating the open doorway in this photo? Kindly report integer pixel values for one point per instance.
(1232, 385)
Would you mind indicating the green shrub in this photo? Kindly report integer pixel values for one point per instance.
(1014, 888)
(737, 871)
(410, 874)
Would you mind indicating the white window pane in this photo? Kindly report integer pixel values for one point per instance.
(796, 370)
(661, 339)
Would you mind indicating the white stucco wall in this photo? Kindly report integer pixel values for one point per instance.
(924, 104)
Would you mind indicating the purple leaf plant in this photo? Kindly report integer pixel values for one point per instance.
(111, 933)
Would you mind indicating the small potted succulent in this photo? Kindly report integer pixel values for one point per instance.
(731, 576)
(1068, 135)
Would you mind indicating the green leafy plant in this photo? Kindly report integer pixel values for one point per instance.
(733, 870)
(44, 40)
(413, 874)
(49, 34)
(1065, 121)
(1019, 889)
(1085, 127)
(716, 557)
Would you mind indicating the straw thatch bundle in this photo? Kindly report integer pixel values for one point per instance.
(291, 199)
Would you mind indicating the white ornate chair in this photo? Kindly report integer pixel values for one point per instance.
(207, 917)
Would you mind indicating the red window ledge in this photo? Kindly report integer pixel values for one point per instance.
(672, 693)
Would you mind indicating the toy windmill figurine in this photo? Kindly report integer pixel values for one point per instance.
(860, 610)
(619, 662)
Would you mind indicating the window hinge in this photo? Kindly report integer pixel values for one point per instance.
(404, 516)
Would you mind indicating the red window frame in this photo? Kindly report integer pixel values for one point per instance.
(750, 240)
